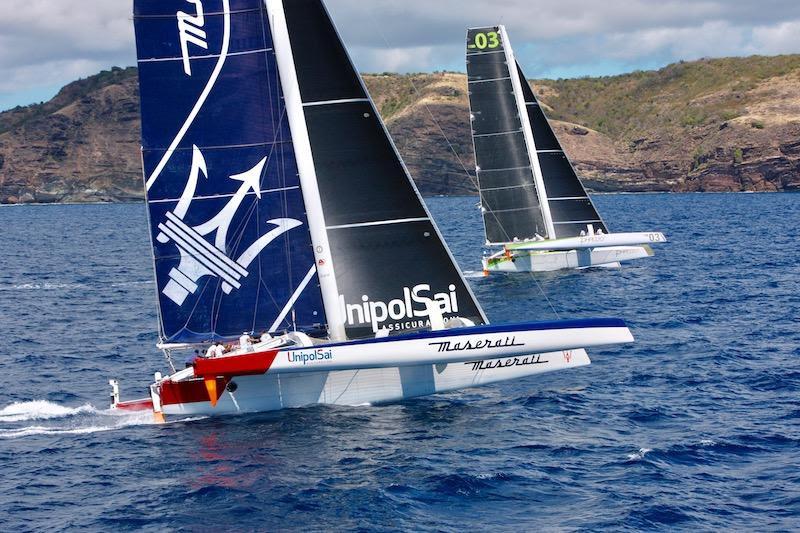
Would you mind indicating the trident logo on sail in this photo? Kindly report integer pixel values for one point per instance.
(199, 257)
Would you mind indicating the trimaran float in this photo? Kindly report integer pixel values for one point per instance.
(278, 203)
(534, 206)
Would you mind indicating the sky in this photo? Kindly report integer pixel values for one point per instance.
(45, 44)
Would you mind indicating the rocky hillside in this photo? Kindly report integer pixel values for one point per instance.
(710, 125)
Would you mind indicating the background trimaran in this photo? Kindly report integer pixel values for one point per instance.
(279, 203)
(534, 205)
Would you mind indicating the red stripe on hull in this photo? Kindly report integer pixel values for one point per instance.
(192, 391)
(136, 405)
(250, 364)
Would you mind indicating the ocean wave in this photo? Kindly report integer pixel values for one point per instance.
(80, 420)
(47, 286)
(40, 410)
(639, 455)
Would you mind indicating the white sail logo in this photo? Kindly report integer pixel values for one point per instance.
(190, 30)
(199, 257)
(412, 305)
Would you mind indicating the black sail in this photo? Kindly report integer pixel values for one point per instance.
(387, 253)
(570, 206)
(510, 203)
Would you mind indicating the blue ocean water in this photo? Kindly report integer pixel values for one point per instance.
(695, 426)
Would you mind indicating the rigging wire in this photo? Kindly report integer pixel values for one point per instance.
(472, 180)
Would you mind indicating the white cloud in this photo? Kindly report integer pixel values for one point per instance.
(45, 42)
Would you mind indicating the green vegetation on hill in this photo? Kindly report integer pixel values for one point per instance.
(681, 95)
(710, 125)
(18, 116)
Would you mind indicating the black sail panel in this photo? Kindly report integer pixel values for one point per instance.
(387, 254)
(511, 205)
(571, 208)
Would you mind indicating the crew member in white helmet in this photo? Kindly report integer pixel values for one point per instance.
(244, 342)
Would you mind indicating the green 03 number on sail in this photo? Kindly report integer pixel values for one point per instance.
(485, 41)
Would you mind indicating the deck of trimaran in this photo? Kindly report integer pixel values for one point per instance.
(278, 203)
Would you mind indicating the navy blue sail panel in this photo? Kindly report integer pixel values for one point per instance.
(570, 206)
(387, 253)
(231, 242)
(509, 200)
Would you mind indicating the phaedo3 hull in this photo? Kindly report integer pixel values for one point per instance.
(548, 261)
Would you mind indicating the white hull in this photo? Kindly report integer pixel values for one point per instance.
(548, 261)
(271, 392)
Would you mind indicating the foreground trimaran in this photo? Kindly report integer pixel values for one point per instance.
(279, 203)
(534, 205)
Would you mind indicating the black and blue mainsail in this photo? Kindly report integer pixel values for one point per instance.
(277, 199)
(230, 235)
(529, 188)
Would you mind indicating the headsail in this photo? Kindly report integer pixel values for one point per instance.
(570, 206)
(230, 236)
(385, 250)
(528, 187)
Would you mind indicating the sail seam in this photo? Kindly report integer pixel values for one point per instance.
(524, 185)
(380, 223)
(549, 151)
(479, 135)
(492, 79)
(331, 102)
(211, 14)
(575, 222)
(215, 196)
(505, 169)
(210, 56)
(570, 198)
(535, 206)
(485, 53)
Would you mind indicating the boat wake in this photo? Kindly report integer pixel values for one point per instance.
(55, 419)
(68, 286)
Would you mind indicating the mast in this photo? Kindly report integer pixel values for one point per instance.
(369, 223)
(528, 132)
(307, 170)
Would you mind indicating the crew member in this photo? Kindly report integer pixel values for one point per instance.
(219, 350)
(244, 342)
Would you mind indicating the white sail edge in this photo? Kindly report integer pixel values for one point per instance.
(307, 170)
(591, 241)
(544, 202)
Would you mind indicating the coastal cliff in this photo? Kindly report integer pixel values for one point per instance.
(710, 125)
